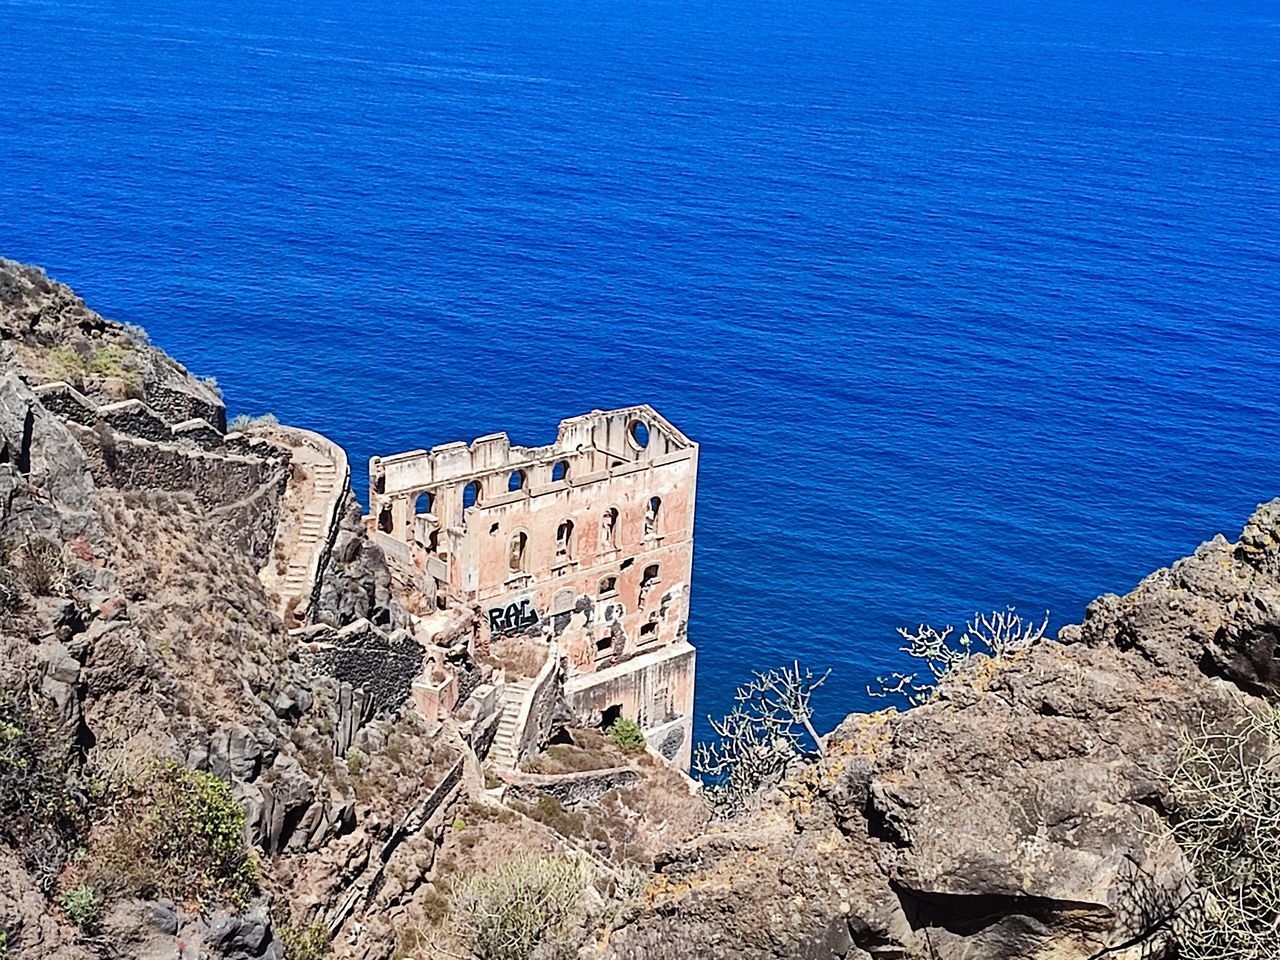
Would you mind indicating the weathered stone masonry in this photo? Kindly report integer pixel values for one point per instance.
(585, 545)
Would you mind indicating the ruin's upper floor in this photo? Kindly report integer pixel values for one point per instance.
(490, 470)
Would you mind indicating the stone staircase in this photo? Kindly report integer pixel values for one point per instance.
(515, 695)
(313, 536)
(306, 544)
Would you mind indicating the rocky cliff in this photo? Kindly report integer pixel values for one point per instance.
(1020, 813)
(182, 775)
(155, 714)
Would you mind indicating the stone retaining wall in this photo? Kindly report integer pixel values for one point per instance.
(568, 788)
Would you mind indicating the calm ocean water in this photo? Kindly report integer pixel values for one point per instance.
(970, 302)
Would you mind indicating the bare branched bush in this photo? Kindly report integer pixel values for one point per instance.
(506, 914)
(771, 726)
(41, 800)
(44, 566)
(994, 634)
(1226, 819)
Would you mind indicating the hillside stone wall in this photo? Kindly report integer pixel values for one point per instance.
(568, 788)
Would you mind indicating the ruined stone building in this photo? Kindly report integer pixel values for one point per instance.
(582, 548)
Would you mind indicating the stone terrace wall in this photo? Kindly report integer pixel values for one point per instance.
(568, 788)
(243, 493)
(384, 665)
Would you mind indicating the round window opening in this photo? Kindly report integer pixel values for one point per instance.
(639, 433)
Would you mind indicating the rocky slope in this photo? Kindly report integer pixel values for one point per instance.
(139, 651)
(1020, 813)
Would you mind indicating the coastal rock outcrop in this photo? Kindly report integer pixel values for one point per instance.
(1019, 813)
(139, 650)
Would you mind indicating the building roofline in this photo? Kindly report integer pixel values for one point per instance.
(565, 430)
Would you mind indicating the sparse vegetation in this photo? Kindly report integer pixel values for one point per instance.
(243, 423)
(551, 812)
(41, 803)
(626, 734)
(107, 361)
(44, 566)
(508, 913)
(591, 749)
(82, 905)
(995, 634)
(519, 657)
(176, 833)
(137, 333)
(771, 726)
(1226, 819)
(10, 589)
(304, 943)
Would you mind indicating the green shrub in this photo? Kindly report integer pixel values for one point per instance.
(109, 360)
(626, 734)
(304, 943)
(178, 833)
(505, 914)
(82, 905)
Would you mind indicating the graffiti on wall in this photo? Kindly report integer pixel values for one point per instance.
(519, 615)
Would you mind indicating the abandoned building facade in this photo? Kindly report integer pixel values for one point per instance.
(583, 548)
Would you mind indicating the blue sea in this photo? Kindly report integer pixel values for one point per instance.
(970, 303)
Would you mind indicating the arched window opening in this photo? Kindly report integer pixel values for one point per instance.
(560, 471)
(652, 517)
(424, 503)
(609, 529)
(608, 586)
(384, 519)
(516, 481)
(380, 483)
(470, 495)
(516, 559)
(638, 434)
(564, 539)
(650, 575)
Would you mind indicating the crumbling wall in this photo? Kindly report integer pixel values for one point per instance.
(383, 665)
(241, 493)
(568, 788)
